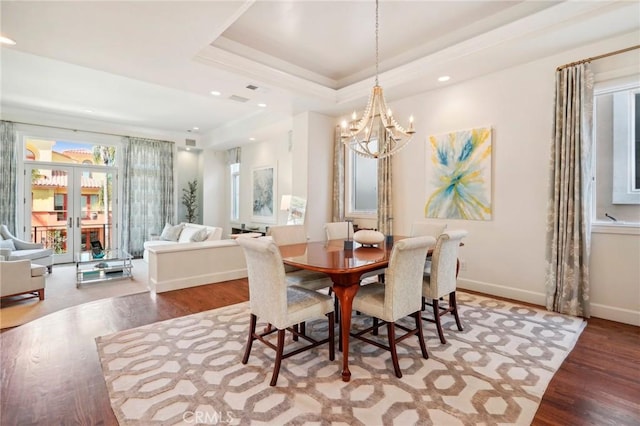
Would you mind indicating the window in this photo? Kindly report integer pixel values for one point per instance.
(617, 151)
(235, 191)
(362, 185)
(58, 151)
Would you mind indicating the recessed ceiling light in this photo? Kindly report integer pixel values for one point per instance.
(6, 40)
(215, 93)
(252, 139)
(444, 78)
(262, 105)
(196, 128)
(88, 111)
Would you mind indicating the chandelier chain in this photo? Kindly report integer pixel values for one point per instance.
(377, 61)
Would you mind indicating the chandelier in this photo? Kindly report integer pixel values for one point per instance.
(376, 134)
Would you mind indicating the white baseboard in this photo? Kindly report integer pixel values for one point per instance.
(503, 291)
(194, 281)
(598, 310)
(612, 313)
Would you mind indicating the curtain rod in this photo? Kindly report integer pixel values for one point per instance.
(593, 58)
(65, 128)
(75, 130)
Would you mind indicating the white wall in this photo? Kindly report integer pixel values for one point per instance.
(506, 256)
(188, 168)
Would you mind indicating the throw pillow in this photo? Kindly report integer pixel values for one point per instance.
(170, 232)
(187, 233)
(201, 235)
(7, 244)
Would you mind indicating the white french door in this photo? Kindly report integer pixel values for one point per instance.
(67, 207)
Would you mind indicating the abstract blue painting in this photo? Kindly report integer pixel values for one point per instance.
(460, 175)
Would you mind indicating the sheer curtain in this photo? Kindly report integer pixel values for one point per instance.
(570, 203)
(385, 199)
(337, 211)
(8, 164)
(147, 190)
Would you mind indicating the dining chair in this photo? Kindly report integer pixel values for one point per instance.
(296, 234)
(432, 229)
(398, 297)
(441, 280)
(282, 306)
(338, 230)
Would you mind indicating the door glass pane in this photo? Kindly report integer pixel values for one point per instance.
(97, 210)
(49, 208)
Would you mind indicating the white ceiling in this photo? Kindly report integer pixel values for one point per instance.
(153, 64)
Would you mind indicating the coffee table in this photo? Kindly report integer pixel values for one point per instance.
(115, 265)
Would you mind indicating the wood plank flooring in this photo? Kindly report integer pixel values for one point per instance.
(50, 372)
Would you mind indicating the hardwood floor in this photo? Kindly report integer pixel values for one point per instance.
(51, 372)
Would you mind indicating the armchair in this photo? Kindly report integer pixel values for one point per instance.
(24, 250)
(20, 277)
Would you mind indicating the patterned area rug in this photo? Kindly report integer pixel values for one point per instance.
(188, 371)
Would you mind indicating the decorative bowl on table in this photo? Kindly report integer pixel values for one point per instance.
(368, 237)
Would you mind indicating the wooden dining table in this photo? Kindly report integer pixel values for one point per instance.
(345, 267)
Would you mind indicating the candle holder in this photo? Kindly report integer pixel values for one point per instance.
(389, 237)
(348, 243)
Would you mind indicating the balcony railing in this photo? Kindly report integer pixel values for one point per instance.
(55, 236)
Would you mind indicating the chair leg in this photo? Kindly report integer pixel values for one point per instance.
(423, 346)
(392, 346)
(279, 351)
(297, 330)
(424, 303)
(41, 294)
(436, 314)
(332, 337)
(336, 309)
(375, 326)
(252, 331)
(453, 304)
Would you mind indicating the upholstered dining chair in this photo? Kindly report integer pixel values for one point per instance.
(296, 234)
(431, 229)
(283, 306)
(441, 280)
(338, 230)
(398, 297)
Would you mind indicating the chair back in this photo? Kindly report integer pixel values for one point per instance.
(431, 229)
(444, 264)
(403, 279)
(267, 284)
(338, 230)
(288, 234)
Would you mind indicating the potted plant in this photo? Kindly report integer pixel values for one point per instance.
(189, 200)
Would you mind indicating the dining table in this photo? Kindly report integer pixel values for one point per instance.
(345, 267)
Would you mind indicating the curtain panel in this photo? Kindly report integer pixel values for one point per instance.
(337, 211)
(8, 164)
(570, 199)
(385, 198)
(233, 155)
(148, 190)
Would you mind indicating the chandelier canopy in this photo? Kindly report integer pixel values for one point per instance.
(376, 134)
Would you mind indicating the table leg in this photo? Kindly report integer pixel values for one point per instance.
(345, 295)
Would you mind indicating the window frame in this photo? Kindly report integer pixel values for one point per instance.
(350, 187)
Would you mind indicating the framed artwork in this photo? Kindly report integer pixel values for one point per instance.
(459, 175)
(263, 180)
(297, 211)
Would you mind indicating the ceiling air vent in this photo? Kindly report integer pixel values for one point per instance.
(238, 98)
(190, 142)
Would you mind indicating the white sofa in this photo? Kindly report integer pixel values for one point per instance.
(176, 266)
(189, 229)
(180, 264)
